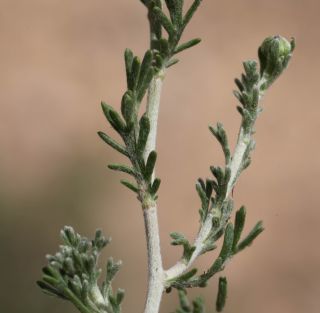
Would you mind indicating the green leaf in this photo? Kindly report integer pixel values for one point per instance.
(198, 305)
(123, 168)
(143, 134)
(187, 276)
(184, 302)
(145, 67)
(226, 249)
(134, 74)
(222, 294)
(112, 143)
(203, 196)
(191, 12)
(221, 136)
(113, 117)
(129, 185)
(238, 226)
(120, 296)
(117, 122)
(247, 241)
(187, 45)
(163, 47)
(50, 290)
(128, 58)
(215, 268)
(171, 62)
(165, 22)
(175, 10)
(151, 162)
(128, 108)
(179, 239)
(155, 186)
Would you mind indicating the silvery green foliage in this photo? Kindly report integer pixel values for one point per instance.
(214, 193)
(132, 128)
(72, 273)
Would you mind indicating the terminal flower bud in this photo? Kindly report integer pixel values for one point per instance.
(274, 55)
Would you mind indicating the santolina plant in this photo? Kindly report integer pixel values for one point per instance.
(72, 273)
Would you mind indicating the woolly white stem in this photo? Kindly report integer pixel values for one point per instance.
(155, 268)
(153, 104)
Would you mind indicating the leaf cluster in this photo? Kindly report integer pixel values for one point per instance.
(72, 274)
(173, 26)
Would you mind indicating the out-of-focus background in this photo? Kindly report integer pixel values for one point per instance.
(58, 59)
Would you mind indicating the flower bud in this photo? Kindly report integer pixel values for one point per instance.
(274, 55)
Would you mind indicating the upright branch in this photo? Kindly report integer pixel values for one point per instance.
(216, 201)
(139, 133)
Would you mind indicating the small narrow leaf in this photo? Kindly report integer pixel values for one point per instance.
(123, 168)
(198, 305)
(221, 135)
(191, 12)
(112, 143)
(145, 66)
(226, 249)
(187, 45)
(143, 134)
(146, 63)
(202, 194)
(238, 226)
(120, 296)
(117, 122)
(128, 58)
(128, 107)
(184, 302)
(129, 185)
(133, 78)
(113, 117)
(48, 289)
(188, 275)
(222, 294)
(171, 62)
(215, 268)
(163, 46)
(175, 10)
(165, 22)
(255, 232)
(151, 162)
(155, 186)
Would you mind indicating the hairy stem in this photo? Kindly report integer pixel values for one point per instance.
(180, 267)
(153, 104)
(155, 269)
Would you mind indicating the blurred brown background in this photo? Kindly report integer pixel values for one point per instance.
(58, 59)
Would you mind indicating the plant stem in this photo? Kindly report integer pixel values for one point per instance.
(155, 268)
(242, 144)
(153, 104)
